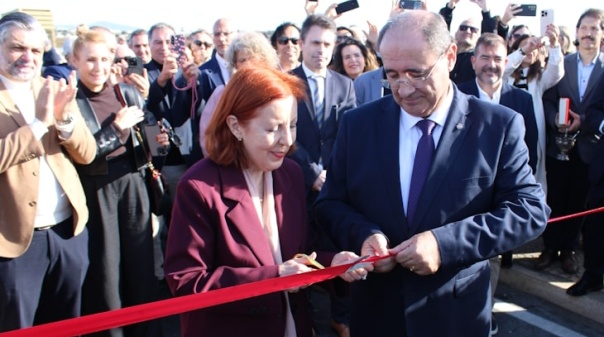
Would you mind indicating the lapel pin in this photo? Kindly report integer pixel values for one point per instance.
(459, 126)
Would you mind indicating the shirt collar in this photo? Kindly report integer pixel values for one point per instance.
(485, 97)
(438, 116)
(310, 73)
(593, 62)
(15, 85)
(221, 61)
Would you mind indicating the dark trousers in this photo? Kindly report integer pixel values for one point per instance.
(121, 270)
(44, 284)
(567, 188)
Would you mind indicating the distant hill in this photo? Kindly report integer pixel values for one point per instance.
(114, 27)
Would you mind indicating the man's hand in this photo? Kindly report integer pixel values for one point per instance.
(64, 94)
(190, 72)
(45, 103)
(377, 245)
(575, 123)
(318, 184)
(169, 69)
(419, 254)
(141, 83)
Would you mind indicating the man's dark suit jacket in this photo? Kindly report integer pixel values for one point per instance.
(210, 78)
(480, 199)
(595, 112)
(568, 87)
(216, 240)
(313, 143)
(521, 102)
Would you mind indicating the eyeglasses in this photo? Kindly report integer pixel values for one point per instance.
(416, 82)
(205, 44)
(341, 38)
(465, 28)
(225, 34)
(120, 59)
(283, 40)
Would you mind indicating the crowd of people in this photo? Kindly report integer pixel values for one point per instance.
(434, 147)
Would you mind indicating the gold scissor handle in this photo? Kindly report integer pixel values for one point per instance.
(307, 260)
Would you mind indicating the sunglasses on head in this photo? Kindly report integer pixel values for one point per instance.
(464, 28)
(284, 40)
(205, 44)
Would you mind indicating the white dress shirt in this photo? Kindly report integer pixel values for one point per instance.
(409, 136)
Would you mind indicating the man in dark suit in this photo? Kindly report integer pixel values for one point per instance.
(43, 215)
(489, 61)
(330, 95)
(441, 203)
(593, 230)
(215, 72)
(567, 180)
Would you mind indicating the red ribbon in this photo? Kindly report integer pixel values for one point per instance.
(144, 312)
(576, 215)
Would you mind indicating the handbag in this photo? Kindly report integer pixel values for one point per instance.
(157, 187)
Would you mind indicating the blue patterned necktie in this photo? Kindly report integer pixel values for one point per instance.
(421, 165)
(319, 99)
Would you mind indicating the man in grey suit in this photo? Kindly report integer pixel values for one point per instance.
(567, 180)
(368, 86)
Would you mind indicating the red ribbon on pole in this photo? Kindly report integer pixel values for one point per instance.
(144, 312)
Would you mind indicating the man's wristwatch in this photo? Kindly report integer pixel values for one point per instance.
(67, 121)
(521, 52)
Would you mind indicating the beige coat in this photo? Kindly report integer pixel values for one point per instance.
(19, 167)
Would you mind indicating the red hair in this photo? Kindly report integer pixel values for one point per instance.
(249, 89)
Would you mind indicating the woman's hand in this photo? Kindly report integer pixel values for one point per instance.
(128, 117)
(295, 266)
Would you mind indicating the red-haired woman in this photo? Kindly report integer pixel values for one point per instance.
(240, 214)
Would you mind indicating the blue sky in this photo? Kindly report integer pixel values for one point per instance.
(262, 14)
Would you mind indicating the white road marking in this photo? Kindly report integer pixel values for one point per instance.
(522, 314)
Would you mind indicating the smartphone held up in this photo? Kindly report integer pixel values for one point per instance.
(347, 6)
(178, 45)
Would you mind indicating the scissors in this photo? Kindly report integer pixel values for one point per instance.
(307, 260)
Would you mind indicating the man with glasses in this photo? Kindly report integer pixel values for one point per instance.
(435, 180)
(215, 72)
(202, 48)
(465, 38)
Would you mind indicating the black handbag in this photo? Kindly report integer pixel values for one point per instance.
(157, 187)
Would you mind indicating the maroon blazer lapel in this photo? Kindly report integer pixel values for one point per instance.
(243, 215)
